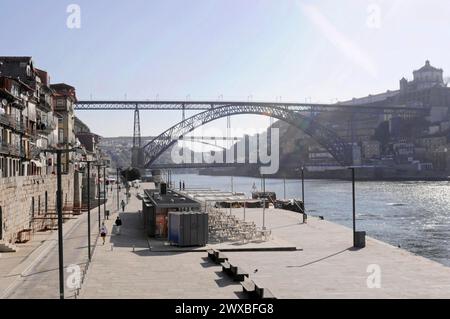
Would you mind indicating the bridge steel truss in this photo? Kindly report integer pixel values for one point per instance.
(336, 146)
(209, 105)
(292, 113)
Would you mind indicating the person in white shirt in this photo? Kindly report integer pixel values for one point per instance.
(103, 232)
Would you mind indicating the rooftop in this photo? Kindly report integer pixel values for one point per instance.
(428, 67)
(170, 199)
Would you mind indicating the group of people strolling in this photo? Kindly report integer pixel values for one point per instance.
(104, 229)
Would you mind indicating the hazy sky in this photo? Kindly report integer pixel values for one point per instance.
(320, 50)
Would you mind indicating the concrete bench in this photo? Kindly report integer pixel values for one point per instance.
(226, 267)
(238, 273)
(263, 293)
(248, 287)
(255, 290)
(216, 256)
(219, 257)
(211, 255)
(266, 294)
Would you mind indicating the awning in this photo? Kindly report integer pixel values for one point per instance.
(37, 163)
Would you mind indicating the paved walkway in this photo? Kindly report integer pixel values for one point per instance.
(328, 267)
(124, 273)
(32, 272)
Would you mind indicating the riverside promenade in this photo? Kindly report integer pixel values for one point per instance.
(32, 271)
(323, 266)
(126, 268)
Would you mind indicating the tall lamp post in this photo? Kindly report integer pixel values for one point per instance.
(359, 237)
(353, 206)
(117, 184)
(303, 188)
(58, 153)
(104, 191)
(89, 205)
(98, 192)
(302, 174)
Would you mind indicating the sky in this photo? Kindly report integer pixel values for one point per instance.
(292, 50)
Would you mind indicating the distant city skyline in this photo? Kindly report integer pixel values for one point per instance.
(231, 50)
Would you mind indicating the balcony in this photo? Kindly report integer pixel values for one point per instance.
(11, 122)
(9, 149)
(46, 123)
(45, 103)
(4, 148)
(31, 133)
(45, 127)
(14, 150)
(4, 119)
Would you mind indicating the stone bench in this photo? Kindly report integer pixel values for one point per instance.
(238, 273)
(211, 255)
(226, 267)
(216, 256)
(248, 287)
(255, 290)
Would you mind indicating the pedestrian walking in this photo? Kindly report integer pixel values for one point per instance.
(103, 232)
(118, 224)
(123, 205)
(183, 185)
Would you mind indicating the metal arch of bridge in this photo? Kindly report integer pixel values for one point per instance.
(336, 146)
(208, 105)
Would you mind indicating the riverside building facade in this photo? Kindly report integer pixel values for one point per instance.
(35, 115)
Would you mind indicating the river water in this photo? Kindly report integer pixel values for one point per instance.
(412, 215)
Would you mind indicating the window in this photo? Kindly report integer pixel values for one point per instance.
(61, 135)
(60, 102)
(15, 90)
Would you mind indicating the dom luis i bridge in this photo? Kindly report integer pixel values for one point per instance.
(299, 115)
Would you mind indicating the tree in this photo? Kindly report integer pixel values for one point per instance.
(130, 174)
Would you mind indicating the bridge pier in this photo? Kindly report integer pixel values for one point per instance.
(137, 157)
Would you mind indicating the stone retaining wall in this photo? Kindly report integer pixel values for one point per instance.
(18, 195)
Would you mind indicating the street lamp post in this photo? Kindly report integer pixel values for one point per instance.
(89, 205)
(359, 237)
(303, 189)
(104, 191)
(117, 184)
(353, 206)
(59, 152)
(60, 225)
(98, 194)
(302, 175)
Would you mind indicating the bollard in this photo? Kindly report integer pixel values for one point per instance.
(133, 248)
(112, 247)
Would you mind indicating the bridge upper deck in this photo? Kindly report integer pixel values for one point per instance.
(208, 105)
